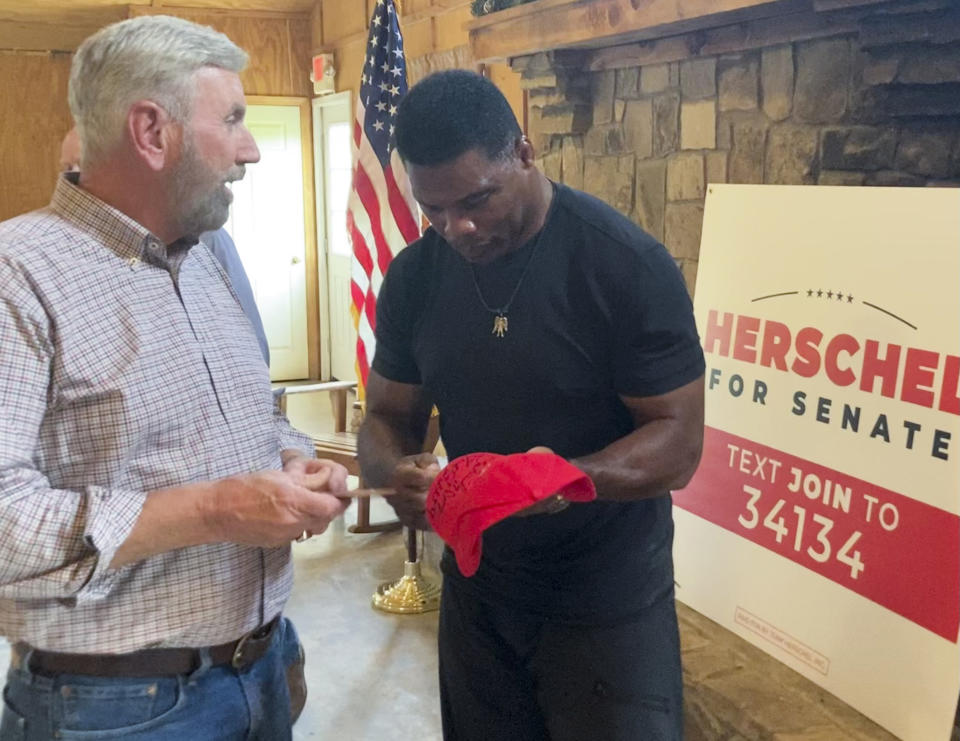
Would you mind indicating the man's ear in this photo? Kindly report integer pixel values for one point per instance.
(525, 151)
(152, 133)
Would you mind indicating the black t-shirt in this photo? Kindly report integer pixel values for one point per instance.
(601, 312)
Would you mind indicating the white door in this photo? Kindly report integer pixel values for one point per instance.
(266, 222)
(331, 125)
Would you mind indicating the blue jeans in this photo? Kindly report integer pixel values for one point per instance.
(213, 702)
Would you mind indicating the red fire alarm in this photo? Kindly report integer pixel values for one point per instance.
(323, 74)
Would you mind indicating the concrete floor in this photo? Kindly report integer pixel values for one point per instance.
(370, 675)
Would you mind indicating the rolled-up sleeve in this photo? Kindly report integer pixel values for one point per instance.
(54, 543)
(290, 438)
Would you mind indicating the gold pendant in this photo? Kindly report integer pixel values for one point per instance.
(499, 325)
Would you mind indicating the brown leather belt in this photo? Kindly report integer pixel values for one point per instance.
(151, 662)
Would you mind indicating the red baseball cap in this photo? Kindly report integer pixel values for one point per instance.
(478, 490)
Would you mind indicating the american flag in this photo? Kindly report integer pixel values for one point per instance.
(381, 212)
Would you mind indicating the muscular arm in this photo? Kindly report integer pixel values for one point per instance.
(389, 442)
(661, 453)
(394, 425)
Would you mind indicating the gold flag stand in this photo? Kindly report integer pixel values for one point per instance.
(412, 593)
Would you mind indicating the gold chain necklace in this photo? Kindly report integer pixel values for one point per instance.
(500, 321)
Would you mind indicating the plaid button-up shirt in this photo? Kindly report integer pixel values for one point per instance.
(126, 366)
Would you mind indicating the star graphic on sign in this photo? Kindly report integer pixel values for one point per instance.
(829, 294)
(839, 296)
(809, 292)
(396, 71)
(393, 110)
(378, 125)
(819, 293)
(849, 299)
(385, 66)
(394, 90)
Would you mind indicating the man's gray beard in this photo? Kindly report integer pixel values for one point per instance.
(207, 214)
(202, 212)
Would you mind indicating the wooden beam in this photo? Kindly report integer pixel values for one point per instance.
(941, 27)
(557, 24)
(730, 39)
(822, 5)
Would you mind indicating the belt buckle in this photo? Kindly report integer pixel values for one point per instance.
(263, 633)
(236, 661)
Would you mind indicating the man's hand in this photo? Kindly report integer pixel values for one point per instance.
(317, 474)
(266, 509)
(411, 478)
(550, 505)
(271, 508)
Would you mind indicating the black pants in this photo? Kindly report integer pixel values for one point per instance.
(507, 676)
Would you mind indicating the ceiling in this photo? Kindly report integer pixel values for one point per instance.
(29, 10)
(60, 25)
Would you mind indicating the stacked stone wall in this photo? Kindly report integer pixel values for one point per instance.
(878, 103)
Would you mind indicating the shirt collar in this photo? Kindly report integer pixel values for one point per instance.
(111, 227)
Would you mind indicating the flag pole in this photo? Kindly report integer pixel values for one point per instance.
(411, 593)
(381, 220)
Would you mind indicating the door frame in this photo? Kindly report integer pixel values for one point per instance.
(319, 174)
(309, 223)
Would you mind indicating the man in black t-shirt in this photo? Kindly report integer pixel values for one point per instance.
(534, 315)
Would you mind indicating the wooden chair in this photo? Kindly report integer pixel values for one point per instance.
(341, 444)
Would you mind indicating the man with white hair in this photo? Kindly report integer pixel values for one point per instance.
(148, 490)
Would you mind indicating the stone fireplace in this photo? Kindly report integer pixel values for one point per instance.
(645, 102)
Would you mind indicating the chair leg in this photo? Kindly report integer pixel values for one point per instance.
(363, 520)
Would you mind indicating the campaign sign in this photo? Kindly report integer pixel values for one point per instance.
(822, 524)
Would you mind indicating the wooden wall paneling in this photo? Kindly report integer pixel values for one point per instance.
(417, 36)
(411, 7)
(234, 6)
(34, 121)
(316, 27)
(509, 83)
(54, 30)
(267, 38)
(449, 28)
(269, 70)
(299, 55)
(349, 61)
(342, 18)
